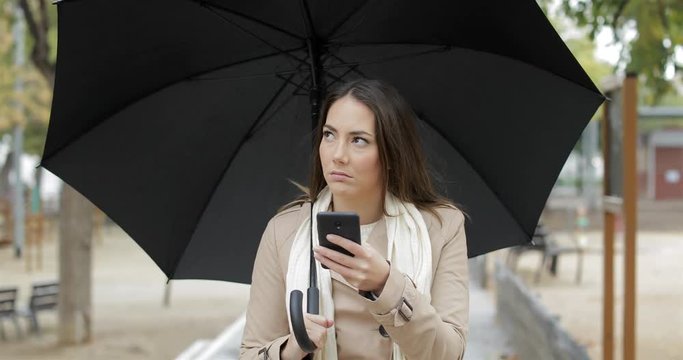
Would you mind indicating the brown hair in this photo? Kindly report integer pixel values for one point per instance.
(403, 163)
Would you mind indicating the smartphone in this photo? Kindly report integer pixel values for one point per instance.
(342, 223)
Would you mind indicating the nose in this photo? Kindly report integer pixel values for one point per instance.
(339, 155)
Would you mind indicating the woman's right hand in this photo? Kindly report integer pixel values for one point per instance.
(316, 328)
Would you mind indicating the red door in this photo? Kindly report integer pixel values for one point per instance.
(669, 173)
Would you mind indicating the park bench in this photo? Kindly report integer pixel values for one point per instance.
(551, 250)
(43, 297)
(8, 299)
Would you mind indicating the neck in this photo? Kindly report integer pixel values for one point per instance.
(368, 211)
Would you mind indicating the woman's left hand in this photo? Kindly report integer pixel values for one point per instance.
(367, 271)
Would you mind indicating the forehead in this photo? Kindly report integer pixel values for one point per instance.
(348, 115)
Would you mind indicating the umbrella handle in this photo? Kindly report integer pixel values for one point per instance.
(297, 315)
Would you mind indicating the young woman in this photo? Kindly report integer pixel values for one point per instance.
(404, 294)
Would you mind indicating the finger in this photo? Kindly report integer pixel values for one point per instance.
(319, 338)
(338, 268)
(315, 333)
(336, 256)
(347, 244)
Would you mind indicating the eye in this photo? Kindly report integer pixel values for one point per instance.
(360, 138)
(325, 132)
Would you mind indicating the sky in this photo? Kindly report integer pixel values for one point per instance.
(608, 51)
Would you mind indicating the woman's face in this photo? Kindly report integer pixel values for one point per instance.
(349, 146)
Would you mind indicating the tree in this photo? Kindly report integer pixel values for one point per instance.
(658, 25)
(584, 51)
(75, 230)
(36, 98)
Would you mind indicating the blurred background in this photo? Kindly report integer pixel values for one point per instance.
(546, 300)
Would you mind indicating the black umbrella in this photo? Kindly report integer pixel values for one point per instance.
(183, 120)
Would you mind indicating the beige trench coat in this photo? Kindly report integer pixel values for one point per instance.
(436, 330)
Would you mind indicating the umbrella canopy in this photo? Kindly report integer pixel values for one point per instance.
(183, 120)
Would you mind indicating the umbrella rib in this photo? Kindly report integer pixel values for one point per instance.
(352, 67)
(47, 157)
(301, 86)
(426, 121)
(341, 77)
(306, 79)
(255, 128)
(447, 47)
(257, 124)
(441, 48)
(213, 10)
(334, 77)
(279, 74)
(243, 140)
(289, 80)
(253, 76)
(252, 130)
(250, 18)
(344, 21)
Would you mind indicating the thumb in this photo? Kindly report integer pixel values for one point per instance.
(320, 320)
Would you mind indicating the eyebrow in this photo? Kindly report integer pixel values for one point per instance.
(357, 132)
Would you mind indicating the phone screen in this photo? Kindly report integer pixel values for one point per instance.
(344, 224)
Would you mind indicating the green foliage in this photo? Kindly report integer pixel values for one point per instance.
(584, 52)
(31, 107)
(659, 28)
(582, 48)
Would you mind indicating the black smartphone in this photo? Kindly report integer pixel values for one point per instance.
(342, 223)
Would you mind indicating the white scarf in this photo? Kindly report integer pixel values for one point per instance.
(408, 247)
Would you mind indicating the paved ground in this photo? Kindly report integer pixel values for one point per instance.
(487, 340)
(130, 321)
(659, 319)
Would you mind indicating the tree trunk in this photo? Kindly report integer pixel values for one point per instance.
(39, 25)
(5, 190)
(76, 212)
(75, 267)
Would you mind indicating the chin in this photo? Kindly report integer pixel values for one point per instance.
(341, 189)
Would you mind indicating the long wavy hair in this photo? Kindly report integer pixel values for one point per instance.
(404, 169)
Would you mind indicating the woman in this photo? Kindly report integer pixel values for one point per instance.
(405, 292)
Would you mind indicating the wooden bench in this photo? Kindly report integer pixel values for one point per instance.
(537, 244)
(44, 297)
(8, 299)
(550, 250)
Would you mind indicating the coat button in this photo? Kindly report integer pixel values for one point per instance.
(383, 331)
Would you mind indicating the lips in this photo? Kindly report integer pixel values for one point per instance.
(340, 173)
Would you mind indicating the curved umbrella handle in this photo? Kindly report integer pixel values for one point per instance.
(297, 314)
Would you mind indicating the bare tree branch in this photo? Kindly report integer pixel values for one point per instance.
(45, 20)
(38, 27)
(615, 19)
(662, 14)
